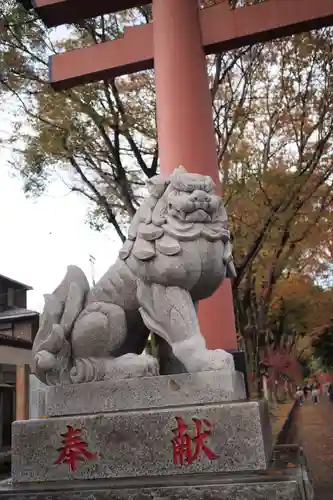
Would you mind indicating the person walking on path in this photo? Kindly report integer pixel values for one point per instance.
(299, 395)
(306, 390)
(316, 393)
(330, 392)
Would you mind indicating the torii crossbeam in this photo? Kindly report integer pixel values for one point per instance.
(175, 44)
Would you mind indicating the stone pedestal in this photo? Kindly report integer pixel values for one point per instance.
(186, 436)
(37, 391)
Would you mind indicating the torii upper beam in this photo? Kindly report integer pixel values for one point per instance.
(222, 29)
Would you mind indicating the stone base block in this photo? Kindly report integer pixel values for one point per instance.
(286, 490)
(143, 393)
(282, 482)
(165, 441)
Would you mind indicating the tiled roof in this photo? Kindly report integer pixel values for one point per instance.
(15, 282)
(17, 313)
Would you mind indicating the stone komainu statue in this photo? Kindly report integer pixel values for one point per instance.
(178, 252)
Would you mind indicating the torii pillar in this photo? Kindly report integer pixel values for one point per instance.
(185, 129)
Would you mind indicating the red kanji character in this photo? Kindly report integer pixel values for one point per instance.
(199, 440)
(73, 448)
(182, 442)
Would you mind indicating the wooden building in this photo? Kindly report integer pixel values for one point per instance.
(18, 327)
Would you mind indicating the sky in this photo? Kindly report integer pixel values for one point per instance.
(40, 238)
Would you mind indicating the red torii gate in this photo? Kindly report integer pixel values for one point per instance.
(175, 44)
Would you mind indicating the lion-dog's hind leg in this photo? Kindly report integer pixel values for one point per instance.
(100, 330)
(170, 312)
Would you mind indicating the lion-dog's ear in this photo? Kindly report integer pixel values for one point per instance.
(180, 170)
(176, 176)
(157, 185)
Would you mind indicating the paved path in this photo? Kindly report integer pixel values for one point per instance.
(315, 434)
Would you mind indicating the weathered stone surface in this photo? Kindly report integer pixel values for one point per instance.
(143, 393)
(37, 393)
(286, 490)
(140, 443)
(277, 483)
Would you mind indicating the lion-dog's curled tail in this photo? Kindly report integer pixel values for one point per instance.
(51, 349)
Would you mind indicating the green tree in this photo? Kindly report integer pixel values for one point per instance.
(278, 169)
(100, 138)
(324, 347)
